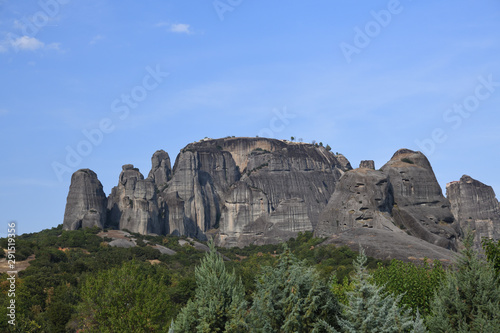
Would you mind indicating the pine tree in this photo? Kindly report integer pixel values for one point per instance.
(291, 297)
(219, 303)
(371, 310)
(469, 299)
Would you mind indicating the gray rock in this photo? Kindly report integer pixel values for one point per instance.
(283, 188)
(161, 170)
(86, 202)
(368, 164)
(164, 250)
(122, 243)
(362, 199)
(475, 207)
(133, 204)
(420, 206)
(383, 244)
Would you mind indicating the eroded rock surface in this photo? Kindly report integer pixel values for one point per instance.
(420, 207)
(86, 202)
(475, 207)
(133, 204)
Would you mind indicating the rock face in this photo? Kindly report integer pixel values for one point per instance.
(367, 164)
(420, 206)
(258, 191)
(475, 207)
(161, 170)
(403, 196)
(362, 199)
(133, 204)
(86, 202)
(282, 189)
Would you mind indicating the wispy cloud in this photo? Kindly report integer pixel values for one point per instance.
(96, 39)
(180, 28)
(26, 43)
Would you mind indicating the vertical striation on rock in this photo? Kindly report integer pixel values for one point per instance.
(86, 202)
(475, 207)
(420, 206)
(133, 204)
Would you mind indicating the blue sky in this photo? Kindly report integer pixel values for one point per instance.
(98, 84)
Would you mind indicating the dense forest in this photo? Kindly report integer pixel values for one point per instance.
(76, 282)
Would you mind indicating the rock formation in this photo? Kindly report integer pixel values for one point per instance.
(475, 207)
(133, 204)
(362, 199)
(404, 195)
(420, 206)
(245, 191)
(86, 202)
(367, 164)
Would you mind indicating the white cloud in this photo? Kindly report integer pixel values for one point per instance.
(27, 43)
(96, 39)
(180, 28)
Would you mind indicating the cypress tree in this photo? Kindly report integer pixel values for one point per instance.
(469, 299)
(371, 310)
(219, 303)
(291, 297)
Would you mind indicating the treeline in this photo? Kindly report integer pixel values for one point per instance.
(77, 283)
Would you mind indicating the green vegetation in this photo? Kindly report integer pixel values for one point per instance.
(469, 298)
(76, 281)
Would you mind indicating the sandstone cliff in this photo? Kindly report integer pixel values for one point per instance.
(475, 207)
(86, 202)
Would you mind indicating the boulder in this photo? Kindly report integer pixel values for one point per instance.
(86, 202)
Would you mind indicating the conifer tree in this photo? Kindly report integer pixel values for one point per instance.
(371, 310)
(469, 299)
(291, 297)
(219, 303)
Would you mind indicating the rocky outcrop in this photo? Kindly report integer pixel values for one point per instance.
(161, 170)
(282, 189)
(367, 164)
(475, 207)
(86, 202)
(384, 244)
(245, 191)
(420, 207)
(133, 204)
(403, 196)
(362, 199)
